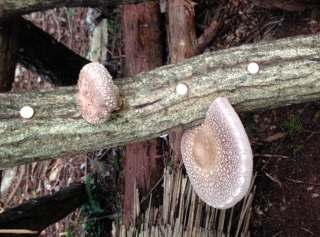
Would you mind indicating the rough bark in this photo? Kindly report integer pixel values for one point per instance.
(44, 55)
(37, 214)
(143, 49)
(290, 72)
(182, 36)
(182, 45)
(10, 8)
(8, 53)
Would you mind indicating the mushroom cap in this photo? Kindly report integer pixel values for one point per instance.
(97, 94)
(218, 156)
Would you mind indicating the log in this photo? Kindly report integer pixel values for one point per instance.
(38, 213)
(289, 74)
(42, 54)
(143, 50)
(10, 8)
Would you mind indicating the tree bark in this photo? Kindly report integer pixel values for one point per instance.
(8, 53)
(37, 214)
(289, 73)
(10, 8)
(143, 50)
(41, 53)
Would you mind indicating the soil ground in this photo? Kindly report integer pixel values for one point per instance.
(287, 200)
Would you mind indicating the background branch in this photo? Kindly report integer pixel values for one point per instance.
(10, 8)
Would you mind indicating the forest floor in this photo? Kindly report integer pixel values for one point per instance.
(285, 141)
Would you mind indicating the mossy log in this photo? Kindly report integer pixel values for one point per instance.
(289, 74)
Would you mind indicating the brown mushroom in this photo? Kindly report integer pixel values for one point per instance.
(218, 156)
(97, 94)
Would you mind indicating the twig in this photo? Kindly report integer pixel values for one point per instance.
(58, 26)
(271, 156)
(20, 231)
(313, 132)
(17, 186)
(70, 25)
(301, 182)
(265, 165)
(277, 234)
(144, 198)
(307, 230)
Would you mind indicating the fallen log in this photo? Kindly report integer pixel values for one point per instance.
(39, 213)
(8, 53)
(289, 73)
(10, 8)
(44, 55)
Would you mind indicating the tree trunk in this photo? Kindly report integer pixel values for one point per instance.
(10, 8)
(37, 214)
(44, 55)
(8, 53)
(182, 45)
(143, 50)
(289, 73)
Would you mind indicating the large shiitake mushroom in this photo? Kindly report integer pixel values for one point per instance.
(218, 156)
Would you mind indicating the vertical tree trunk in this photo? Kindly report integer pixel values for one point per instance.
(143, 51)
(8, 52)
(182, 45)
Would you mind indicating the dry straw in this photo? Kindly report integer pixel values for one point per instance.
(183, 214)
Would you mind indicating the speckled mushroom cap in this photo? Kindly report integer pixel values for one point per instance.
(97, 94)
(218, 156)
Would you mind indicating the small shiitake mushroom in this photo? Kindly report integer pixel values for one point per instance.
(97, 95)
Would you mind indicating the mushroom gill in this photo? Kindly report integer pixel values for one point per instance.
(218, 157)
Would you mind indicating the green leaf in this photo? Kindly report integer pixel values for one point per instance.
(294, 126)
(297, 148)
(116, 164)
(94, 204)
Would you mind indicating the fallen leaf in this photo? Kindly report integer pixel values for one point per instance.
(275, 136)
